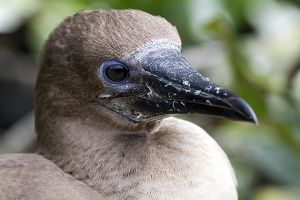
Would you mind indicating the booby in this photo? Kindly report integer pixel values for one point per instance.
(108, 82)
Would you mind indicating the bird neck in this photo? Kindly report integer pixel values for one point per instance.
(90, 144)
(138, 162)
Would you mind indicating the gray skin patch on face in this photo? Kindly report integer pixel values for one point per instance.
(137, 57)
(134, 106)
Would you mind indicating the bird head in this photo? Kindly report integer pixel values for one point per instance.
(130, 63)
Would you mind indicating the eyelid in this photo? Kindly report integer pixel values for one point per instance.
(112, 62)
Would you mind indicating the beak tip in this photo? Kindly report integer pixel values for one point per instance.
(251, 115)
(253, 119)
(244, 109)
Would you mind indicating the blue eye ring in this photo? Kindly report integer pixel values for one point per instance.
(114, 71)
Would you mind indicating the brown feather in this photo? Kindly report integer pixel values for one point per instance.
(28, 176)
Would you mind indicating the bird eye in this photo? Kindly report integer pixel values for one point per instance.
(115, 71)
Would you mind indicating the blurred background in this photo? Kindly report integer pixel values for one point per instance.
(251, 47)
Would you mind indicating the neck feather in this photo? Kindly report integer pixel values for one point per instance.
(93, 148)
(169, 160)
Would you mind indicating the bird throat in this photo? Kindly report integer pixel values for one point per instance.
(98, 151)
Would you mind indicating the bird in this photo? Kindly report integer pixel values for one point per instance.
(108, 86)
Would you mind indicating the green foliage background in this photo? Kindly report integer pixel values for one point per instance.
(251, 47)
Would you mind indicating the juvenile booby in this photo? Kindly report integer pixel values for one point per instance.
(108, 81)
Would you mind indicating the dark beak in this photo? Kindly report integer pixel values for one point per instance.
(175, 87)
(167, 84)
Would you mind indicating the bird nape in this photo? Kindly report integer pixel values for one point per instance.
(108, 81)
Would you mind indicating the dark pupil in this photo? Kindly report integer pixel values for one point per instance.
(116, 73)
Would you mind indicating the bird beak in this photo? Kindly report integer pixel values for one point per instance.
(175, 87)
(168, 84)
